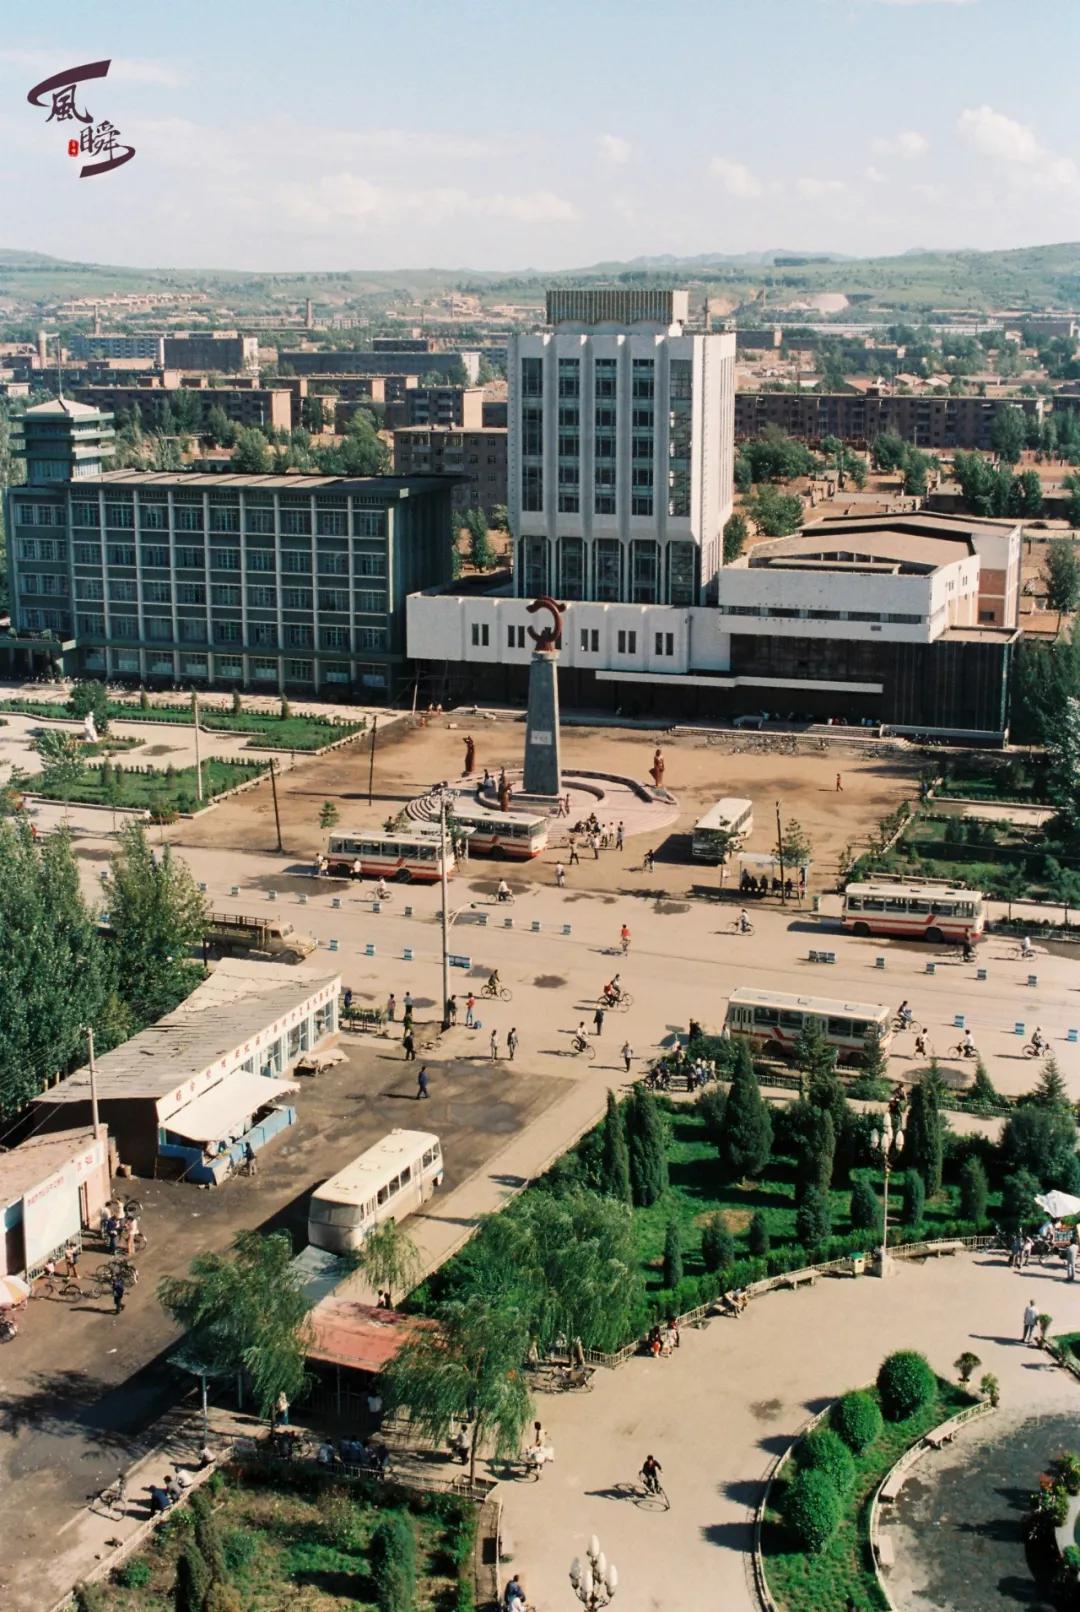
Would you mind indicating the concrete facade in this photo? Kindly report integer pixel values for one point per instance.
(265, 407)
(212, 350)
(859, 417)
(478, 457)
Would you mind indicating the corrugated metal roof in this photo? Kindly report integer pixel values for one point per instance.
(35, 1160)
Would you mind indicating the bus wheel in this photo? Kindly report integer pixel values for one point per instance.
(861, 929)
(402, 876)
(935, 935)
(775, 1049)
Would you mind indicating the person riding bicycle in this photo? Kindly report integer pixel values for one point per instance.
(905, 1015)
(581, 1037)
(503, 892)
(745, 926)
(650, 1472)
(493, 982)
(382, 891)
(967, 1044)
(1027, 950)
(1039, 1042)
(612, 991)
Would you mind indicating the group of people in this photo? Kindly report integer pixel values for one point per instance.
(750, 886)
(350, 1452)
(662, 1340)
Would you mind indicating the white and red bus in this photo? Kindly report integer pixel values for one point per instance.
(925, 911)
(406, 857)
(509, 834)
(774, 1021)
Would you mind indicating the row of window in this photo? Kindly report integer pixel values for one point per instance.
(194, 593)
(223, 518)
(589, 640)
(259, 635)
(898, 618)
(641, 572)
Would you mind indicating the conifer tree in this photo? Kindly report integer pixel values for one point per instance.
(615, 1156)
(747, 1139)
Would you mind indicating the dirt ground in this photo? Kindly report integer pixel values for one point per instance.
(408, 760)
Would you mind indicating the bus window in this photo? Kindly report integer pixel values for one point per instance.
(765, 1015)
(840, 1027)
(896, 904)
(855, 903)
(917, 906)
(862, 1028)
(945, 909)
(383, 1194)
(790, 1021)
(965, 909)
(428, 1156)
(437, 1150)
(406, 1174)
(874, 904)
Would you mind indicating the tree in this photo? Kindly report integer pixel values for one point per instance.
(974, 1191)
(1026, 495)
(775, 514)
(470, 1364)
(811, 1508)
(747, 1139)
(905, 1384)
(481, 552)
(187, 410)
(865, 1208)
(818, 1151)
(717, 1244)
(1051, 1090)
(924, 1130)
(857, 1419)
(757, 1238)
(389, 1259)
(711, 1107)
(158, 916)
(219, 429)
(499, 518)
(889, 451)
(673, 1259)
(615, 1156)
(914, 1199)
(90, 698)
(1042, 1140)
(1018, 1198)
(1008, 434)
(61, 761)
(1061, 574)
(736, 532)
(192, 1579)
(313, 413)
(392, 1562)
(813, 1222)
(251, 456)
(647, 1141)
(1071, 485)
(812, 1052)
(245, 1314)
(794, 848)
(329, 816)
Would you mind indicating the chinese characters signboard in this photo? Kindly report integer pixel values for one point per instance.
(60, 95)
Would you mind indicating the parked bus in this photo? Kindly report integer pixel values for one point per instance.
(923, 911)
(509, 834)
(773, 1021)
(389, 856)
(387, 1182)
(729, 816)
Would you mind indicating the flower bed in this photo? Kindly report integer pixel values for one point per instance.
(145, 788)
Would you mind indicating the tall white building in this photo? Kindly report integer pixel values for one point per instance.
(621, 449)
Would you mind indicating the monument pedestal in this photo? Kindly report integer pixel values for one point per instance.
(543, 762)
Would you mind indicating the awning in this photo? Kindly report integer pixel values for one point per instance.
(346, 1333)
(220, 1113)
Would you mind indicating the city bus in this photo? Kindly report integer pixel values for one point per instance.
(387, 1182)
(509, 834)
(408, 857)
(730, 816)
(924, 911)
(773, 1021)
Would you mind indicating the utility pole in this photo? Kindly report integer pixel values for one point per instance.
(371, 765)
(198, 761)
(94, 1120)
(277, 814)
(780, 853)
(445, 911)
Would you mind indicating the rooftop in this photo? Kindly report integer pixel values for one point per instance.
(60, 406)
(238, 1001)
(22, 1167)
(880, 546)
(268, 483)
(346, 1333)
(946, 526)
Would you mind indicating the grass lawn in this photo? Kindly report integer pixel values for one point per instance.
(173, 789)
(306, 1552)
(268, 730)
(841, 1576)
(698, 1190)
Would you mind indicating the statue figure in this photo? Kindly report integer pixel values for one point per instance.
(656, 771)
(90, 733)
(551, 637)
(504, 793)
(470, 754)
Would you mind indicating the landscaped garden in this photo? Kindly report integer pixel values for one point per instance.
(816, 1538)
(168, 791)
(260, 1539)
(274, 730)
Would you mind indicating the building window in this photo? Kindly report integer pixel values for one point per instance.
(532, 488)
(191, 593)
(572, 567)
(608, 562)
(298, 671)
(190, 559)
(224, 594)
(665, 643)
(296, 522)
(605, 377)
(89, 588)
(264, 670)
(644, 571)
(122, 592)
(331, 522)
(258, 520)
(192, 629)
(569, 501)
(188, 518)
(515, 638)
(227, 632)
(153, 517)
(87, 554)
(120, 553)
(373, 637)
(532, 430)
(681, 561)
(296, 561)
(297, 598)
(263, 634)
(642, 378)
(534, 565)
(260, 559)
(370, 565)
(369, 523)
(260, 598)
(334, 638)
(92, 626)
(85, 515)
(480, 635)
(334, 599)
(224, 518)
(124, 626)
(224, 559)
(334, 565)
(298, 636)
(569, 377)
(122, 515)
(590, 640)
(532, 377)
(641, 503)
(370, 602)
(626, 642)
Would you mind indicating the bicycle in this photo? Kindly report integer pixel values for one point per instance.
(1038, 1049)
(55, 1286)
(653, 1489)
(738, 928)
(963, 1049)
(112, 1498)
(615, 1004)
(501, 992)
(579, 1045)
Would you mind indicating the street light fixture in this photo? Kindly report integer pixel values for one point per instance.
(889, 1142)
(595, 1583)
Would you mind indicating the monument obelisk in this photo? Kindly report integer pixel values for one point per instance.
(543, 768)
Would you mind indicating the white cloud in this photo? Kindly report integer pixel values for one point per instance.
(873, 175)
(124, 69)
(614, 149)
(816, 189)
(923, 2)
(993, 134)
(735, 177)
(354, 198)
(908, 143)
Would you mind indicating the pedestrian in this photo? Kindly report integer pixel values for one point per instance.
(560, 875)
(624, 938)
(511, 1042)
(72, 1253)
(407, 1004)
(112, 1233)
(573, 851)
(422, 1082)
(470, 1011)
(172, 1488)
(451, 1009)
(131, 1230)
(281, 1410)
(598, 1019)
(346, 999)
(408, 1041)
(627, 1055)
(596, 847)
(118, 1293)
(619, 835)
(391, 1008)
(647, 861)
(1070, 1258)
(839, 785)
(406, 1019)
(494, 1044)
(1031, 1316)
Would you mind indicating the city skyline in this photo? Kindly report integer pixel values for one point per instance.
(464, 137)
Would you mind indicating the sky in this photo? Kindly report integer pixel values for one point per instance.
(350, 134)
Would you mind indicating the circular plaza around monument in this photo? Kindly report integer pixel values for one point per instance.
(609, 798)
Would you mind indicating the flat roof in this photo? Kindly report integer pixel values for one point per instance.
(979, 635)
(937, 523)
(267, 483)
(370, 1167)
(781, 999)
(35, 1160)
(929, 892)
(237, 1002)
(874, 545)
(347, 1333)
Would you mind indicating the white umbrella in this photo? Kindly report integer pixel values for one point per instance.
(13, 1290)
(1059, 1204)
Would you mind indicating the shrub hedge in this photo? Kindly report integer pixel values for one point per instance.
(825, 1451)
(812, 1508)
(905, 1383)
(857, 1419)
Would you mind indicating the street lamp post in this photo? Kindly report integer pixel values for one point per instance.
(595, 1583)
(889, 1142)
(445, 913)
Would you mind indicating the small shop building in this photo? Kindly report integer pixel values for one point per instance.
(51, 1188)
(189, 1096)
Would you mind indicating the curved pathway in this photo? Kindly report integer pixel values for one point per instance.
(734, 1395)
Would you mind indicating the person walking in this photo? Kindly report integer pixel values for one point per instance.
(627, 1055)
(1070, 1259)
(573, 851)
(451, 1010)
(117, 1293)
(391, 1008)
(407, 1004)
(1031, 1316)
(408, 1041)
(624, 938)
(511, 1042)
(560, 875)
(596, 847)
(470, 1011)
(422, 1082)
(839, 785)
(620, 834)
(72, 1254)
(494, 1045)
(281, 1410)
(647, 861)
(598, 1020)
